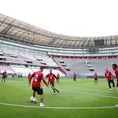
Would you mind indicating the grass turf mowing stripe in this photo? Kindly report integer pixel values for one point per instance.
(95, 90)
(88, 93)
(98, 95)
(66, 108)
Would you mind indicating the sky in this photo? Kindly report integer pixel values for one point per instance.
(68, 17)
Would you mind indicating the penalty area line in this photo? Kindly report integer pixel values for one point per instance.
(66, 108)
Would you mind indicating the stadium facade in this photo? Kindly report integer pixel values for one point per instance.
(23, 48)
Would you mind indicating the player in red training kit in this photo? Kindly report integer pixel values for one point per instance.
(109, 77)
(115, 68)
(58, 77)
(29, 76)
(95, 78)
(36, 85)
(74, 77)
(4, 76)
(51, 80)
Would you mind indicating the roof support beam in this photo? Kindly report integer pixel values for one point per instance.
(52, 41)
(82, 45)
(6, 29)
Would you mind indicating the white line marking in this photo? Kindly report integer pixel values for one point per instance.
(105, 96)
(28, 106)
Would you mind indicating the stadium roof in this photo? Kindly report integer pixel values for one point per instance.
(22, 31)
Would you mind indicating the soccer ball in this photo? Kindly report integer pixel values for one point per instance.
(32, 99)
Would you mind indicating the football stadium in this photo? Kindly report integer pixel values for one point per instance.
(82, 69)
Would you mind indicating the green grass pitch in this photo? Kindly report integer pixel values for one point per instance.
(83, 99)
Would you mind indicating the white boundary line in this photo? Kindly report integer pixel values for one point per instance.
(104, 107)
(67, 108)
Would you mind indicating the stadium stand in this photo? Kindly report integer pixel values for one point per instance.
(102, 64)
(82, 68)
(7, 68)
(46, 59)
(21, 70)
(75, 65)
(26, 47)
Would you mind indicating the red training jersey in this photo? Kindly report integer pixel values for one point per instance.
(95, 76)
(116, 73)
(74, 75)
(37, 78)
(108, 75)
(58, 76)
(29, 76)
(4, 74)
(51, 77)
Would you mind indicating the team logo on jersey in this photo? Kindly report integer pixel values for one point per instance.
(36, 78)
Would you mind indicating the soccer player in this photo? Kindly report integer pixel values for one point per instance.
(115, 68)
(29, 76)
(95, 78)
(4, 76)
(58, 77)
(74, 77)
(51, 79)
(109, 77)
(36, 85)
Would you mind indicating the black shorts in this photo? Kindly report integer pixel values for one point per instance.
(4, 77)
(96, 78)
(38, 90)
(52, 83)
